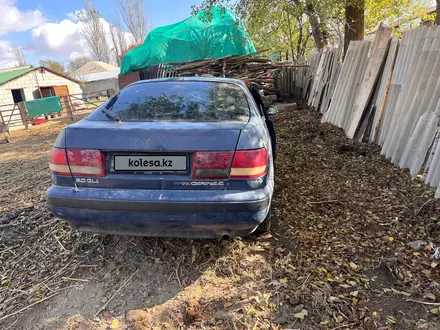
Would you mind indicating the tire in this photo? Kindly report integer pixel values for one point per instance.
(265, 225)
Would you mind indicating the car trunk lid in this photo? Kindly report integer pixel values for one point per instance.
(135, 152)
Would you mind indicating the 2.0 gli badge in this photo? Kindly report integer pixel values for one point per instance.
(82, 180)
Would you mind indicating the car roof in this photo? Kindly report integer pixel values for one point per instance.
(201, 79)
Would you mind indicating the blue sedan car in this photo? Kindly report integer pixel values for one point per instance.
(175, 157)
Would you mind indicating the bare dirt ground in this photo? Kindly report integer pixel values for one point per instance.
(342, 253)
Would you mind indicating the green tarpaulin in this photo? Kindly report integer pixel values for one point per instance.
(43, 106)
(209, 34)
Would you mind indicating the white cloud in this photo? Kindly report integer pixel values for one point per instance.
(72, 16)
(59, 39)
(63, 39)
(14, 20)
(7, 56)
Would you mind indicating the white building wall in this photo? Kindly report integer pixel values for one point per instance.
(29, 83)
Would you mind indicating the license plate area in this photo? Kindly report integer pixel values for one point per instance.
(150, 163)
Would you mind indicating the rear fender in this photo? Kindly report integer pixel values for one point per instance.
(254, 136)
(60, 142)
(62, 180)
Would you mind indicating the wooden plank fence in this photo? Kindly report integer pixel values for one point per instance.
(14, 115)
(387, 94)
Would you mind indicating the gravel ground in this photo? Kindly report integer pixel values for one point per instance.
(350, 248)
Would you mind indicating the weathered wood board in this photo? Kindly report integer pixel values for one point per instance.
(369, 79)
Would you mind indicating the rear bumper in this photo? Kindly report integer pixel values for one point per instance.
(161, 213)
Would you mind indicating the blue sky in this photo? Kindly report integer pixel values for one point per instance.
(48, 29)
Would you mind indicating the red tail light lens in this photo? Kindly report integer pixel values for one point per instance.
(87, 162)
(78, 162)
(249, 164)
(58, 162)
(212, 165)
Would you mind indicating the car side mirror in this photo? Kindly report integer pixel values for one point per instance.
(272, 111)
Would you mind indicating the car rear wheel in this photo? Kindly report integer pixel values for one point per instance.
(265, 225)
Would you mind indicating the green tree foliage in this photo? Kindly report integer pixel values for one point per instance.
(400, 14)
(292, 26)
(53, 65)
(286, 28)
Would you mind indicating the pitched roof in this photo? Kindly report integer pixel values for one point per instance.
(6, 75)
(100, 76)
(93, 67)
(10, 74)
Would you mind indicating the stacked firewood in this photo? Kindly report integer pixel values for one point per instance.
(259, 70)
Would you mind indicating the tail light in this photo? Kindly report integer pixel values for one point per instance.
(243, 164)
(212, 165)
(58, 162)
(249, 164)
(78, 162)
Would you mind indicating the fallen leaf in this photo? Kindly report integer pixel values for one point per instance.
(227, 304)
(333, 299)
(305, 312)
(429, 296)
(391, 320)
(338, 318)
(192, 312)
(283, 280)
(354, 293)
(325, 322)
(406, 294)
(299, 315)
(434, 264)
(435, 311)
(353, 266)
(426, 272)
(115, 324)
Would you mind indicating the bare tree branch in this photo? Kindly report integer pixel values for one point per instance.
(20, 57)
(78, 62)
(93, 31)
(134, 17)
(118, 39)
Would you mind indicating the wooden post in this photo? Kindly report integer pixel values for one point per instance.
(2, 120)
(68, 107)
(23, 114)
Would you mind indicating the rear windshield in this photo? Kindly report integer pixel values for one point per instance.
(179, 101)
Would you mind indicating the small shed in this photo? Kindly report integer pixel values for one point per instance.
(100, 84)
(28, 83)
(97, 79)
